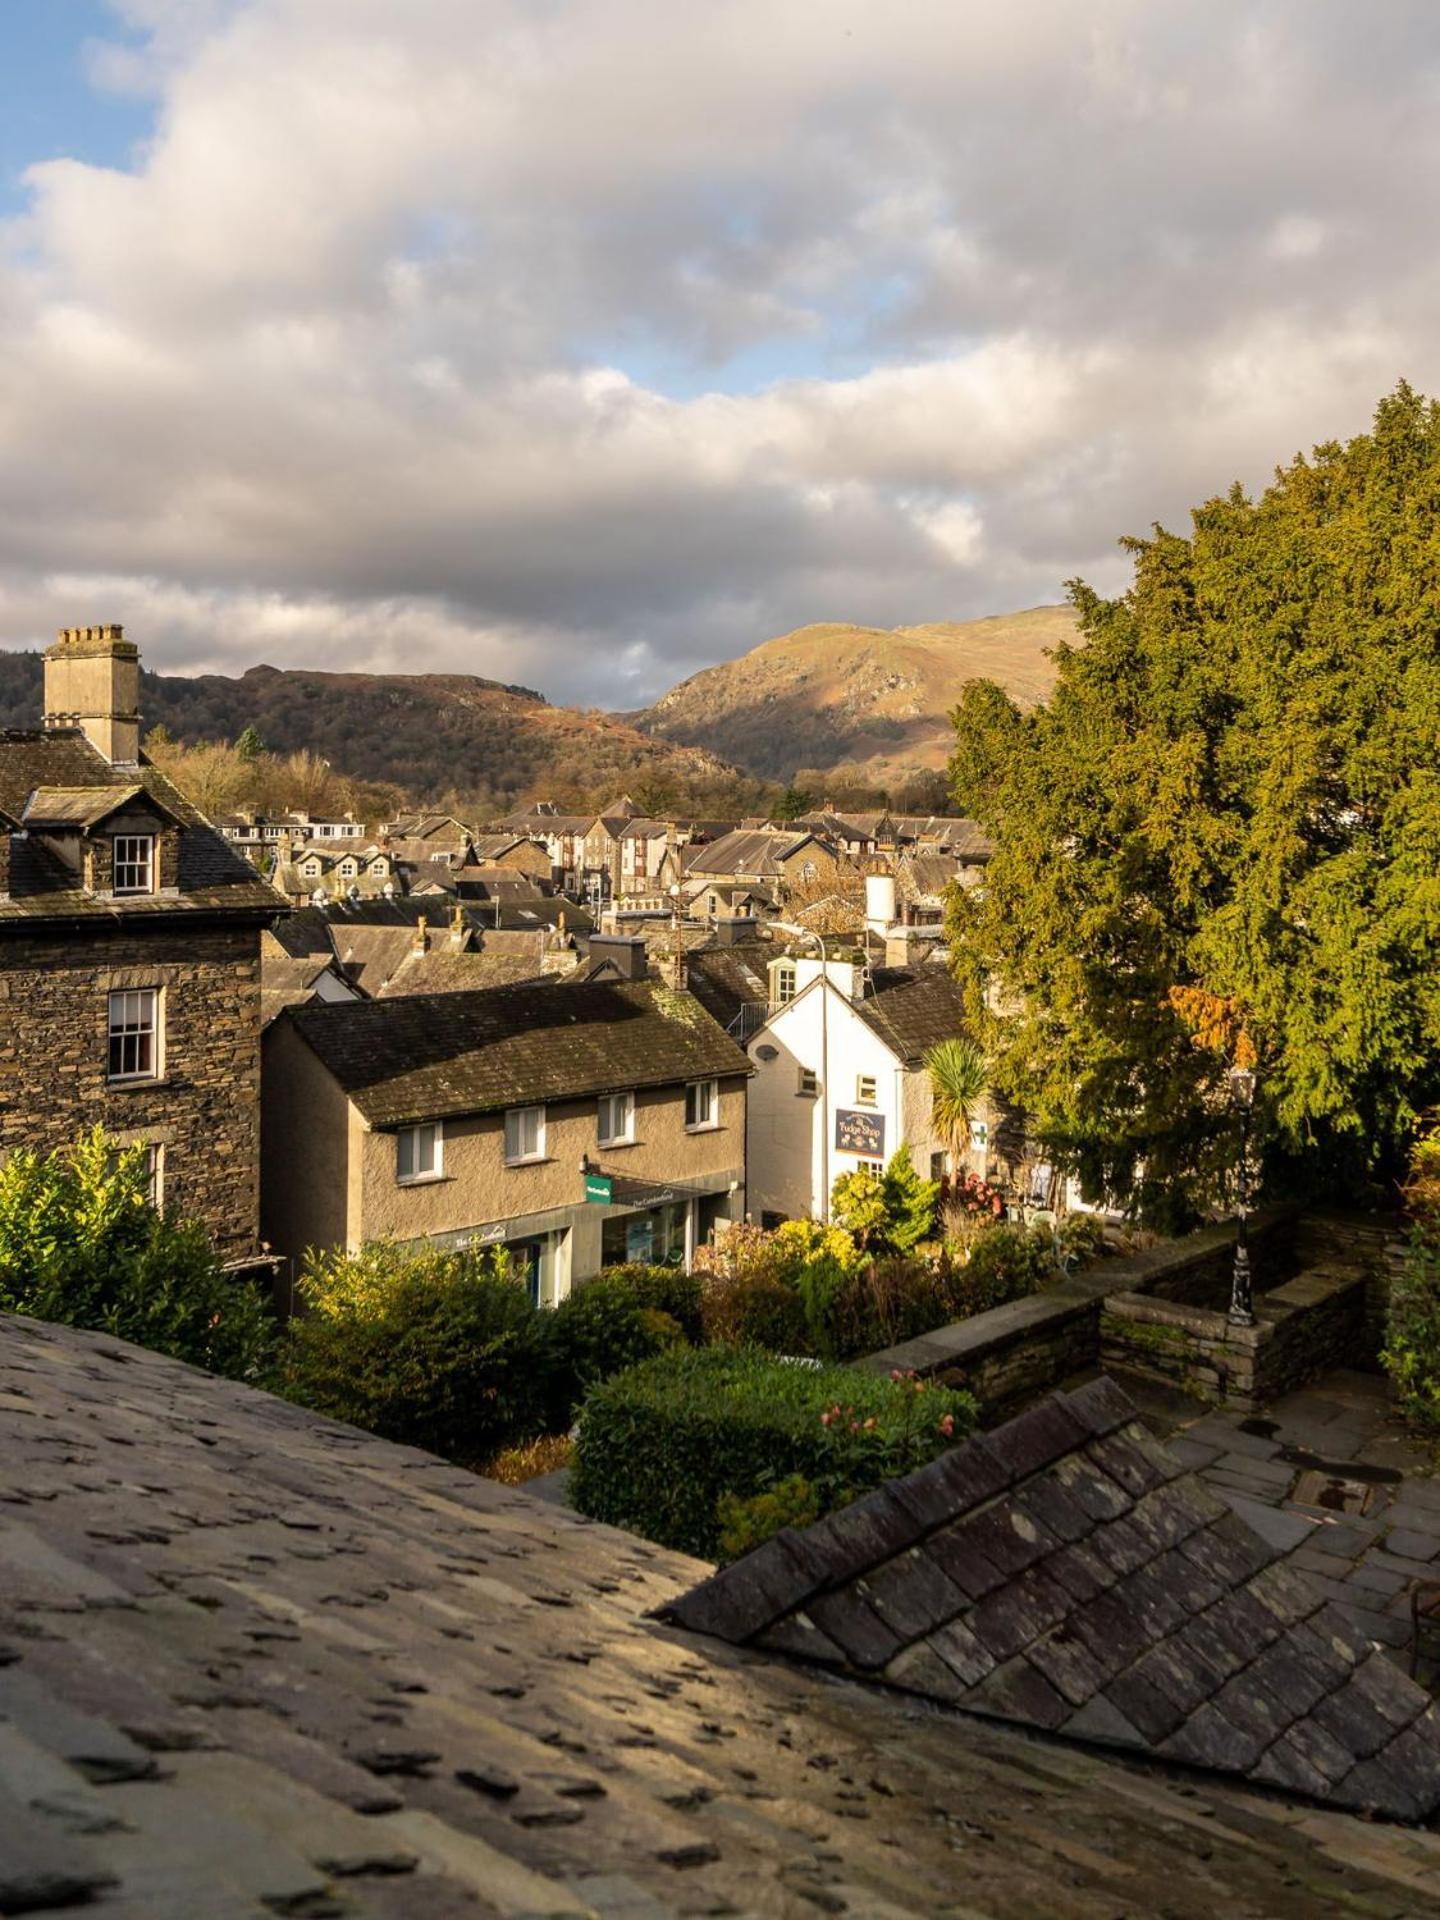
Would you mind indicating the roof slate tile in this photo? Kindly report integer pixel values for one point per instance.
(1135, 1624)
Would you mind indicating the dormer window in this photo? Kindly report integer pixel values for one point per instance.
(134, 863)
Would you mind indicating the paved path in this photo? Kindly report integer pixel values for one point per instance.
(1330, 1475)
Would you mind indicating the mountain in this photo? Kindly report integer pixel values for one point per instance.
(430, 734)
(862, 703)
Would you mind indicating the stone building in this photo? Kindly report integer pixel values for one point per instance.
(129, 950)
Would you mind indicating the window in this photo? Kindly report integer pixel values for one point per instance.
(871, 1166)
(782, 983)
(419, 1153)
(134, 1034)
(770, 1221)
(865, 1090)
(702, 1105)
(615, 1121)
(524, 1135)
(134, 864)
(153, 1175)
(939, 1166)
(809, 1083)
(979, 1136)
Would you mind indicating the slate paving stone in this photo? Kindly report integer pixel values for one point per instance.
(1255, 1467)
(1409, 1545)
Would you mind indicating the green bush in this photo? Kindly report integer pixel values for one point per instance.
(1411, 1354)
(1006, 1262)
(668, 1290)
(81, 1244)
(887, 1301)
(439, 1350)
(889, 1212)
(745, 1524)
(660, 1446)
(607, 1324)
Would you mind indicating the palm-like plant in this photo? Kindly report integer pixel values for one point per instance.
(959, 1078)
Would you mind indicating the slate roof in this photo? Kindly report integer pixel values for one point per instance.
(912, 1012)
(213, 876)
(759, 851)
(462, 972)
(52, 808)
(433, 1056)
(726, 979)
(253, 1662)
(1065, 1572)
(288, 982)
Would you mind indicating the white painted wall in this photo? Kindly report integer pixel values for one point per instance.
(786, 1131)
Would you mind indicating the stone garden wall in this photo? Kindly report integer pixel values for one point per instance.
(1318, 1296)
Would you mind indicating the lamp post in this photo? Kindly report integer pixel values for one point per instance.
(1242, 1296)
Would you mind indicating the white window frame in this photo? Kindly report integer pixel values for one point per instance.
(517, 1114)
(784, 982)
(702, 1094)
(138, 859)
(408, 1146)
(606, 1109)
(808, 1084)
(862, 1098)
(979, 1136)
(133, 1015)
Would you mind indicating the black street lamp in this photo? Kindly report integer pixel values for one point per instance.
(1242, 1295)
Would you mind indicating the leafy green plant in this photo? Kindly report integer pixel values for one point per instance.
(1411, 1354)
(1005, 1262)
(604, 1326)
(660, 1445)
(748, 1523)
(437, 1349)
(889, 1212)
(80, 1243)
(959, 1078)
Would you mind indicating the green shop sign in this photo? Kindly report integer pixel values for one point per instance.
(600, 1188)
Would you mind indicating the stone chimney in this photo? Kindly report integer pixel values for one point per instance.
(626, 954)
(92, 681)
(420, 939)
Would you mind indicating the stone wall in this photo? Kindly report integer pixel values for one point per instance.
(1141, 1313)
(1304, 1327)
(204, 1109)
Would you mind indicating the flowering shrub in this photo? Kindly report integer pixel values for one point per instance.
(661, 1445)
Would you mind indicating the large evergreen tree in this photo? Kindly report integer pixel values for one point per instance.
(1235, 786)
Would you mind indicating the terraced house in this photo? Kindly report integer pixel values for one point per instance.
(579, 1123)
(129, 950)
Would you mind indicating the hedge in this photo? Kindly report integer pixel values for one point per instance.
(660, 1445)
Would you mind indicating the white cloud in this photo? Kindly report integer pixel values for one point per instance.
(441, 333)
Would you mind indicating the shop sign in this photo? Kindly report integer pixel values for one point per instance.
(599, 1188)
(862, 1133)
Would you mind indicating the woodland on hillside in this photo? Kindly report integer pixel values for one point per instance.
(373, 745)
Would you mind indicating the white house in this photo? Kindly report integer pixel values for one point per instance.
(840, 1079)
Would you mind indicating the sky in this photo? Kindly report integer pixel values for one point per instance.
(583, 343)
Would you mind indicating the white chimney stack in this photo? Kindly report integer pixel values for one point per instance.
(879, 902)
